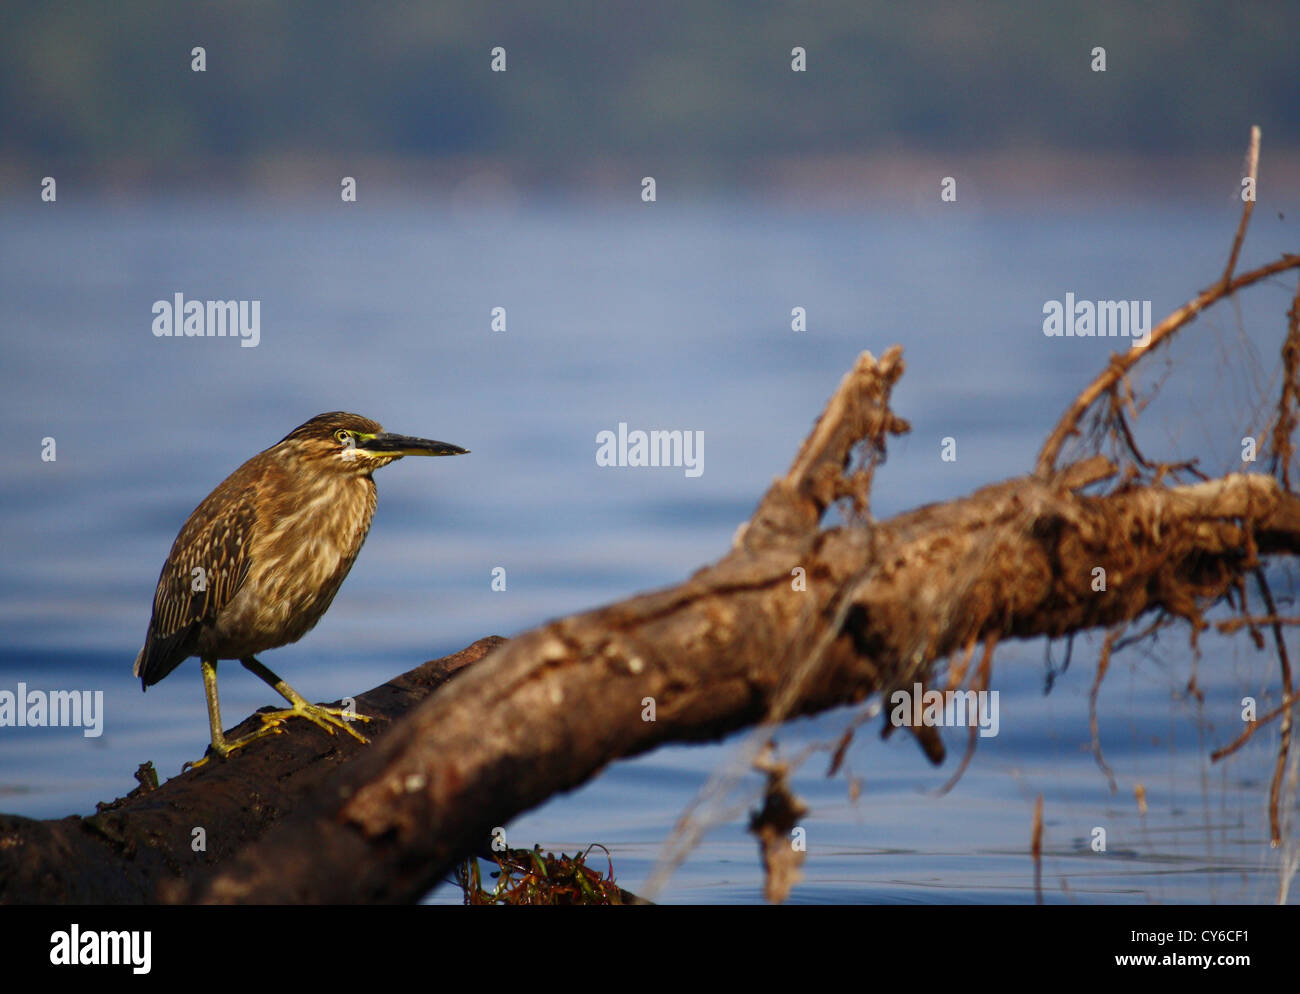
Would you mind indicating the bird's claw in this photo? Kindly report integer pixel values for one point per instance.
(324, 718)
(223, 748)
(327, 719)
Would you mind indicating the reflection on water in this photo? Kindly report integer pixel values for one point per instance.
(677, 318)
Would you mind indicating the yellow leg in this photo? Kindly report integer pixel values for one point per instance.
(221, 747)
(322, 717)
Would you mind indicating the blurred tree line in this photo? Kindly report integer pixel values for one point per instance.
(80, 82)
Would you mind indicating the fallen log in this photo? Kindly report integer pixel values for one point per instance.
(881, 604)
(796, 618)
(123, 852)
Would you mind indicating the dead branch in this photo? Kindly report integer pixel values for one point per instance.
(549, 709)
(1248, 203)
(1121, 363)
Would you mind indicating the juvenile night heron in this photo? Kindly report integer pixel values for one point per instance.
(260, 560)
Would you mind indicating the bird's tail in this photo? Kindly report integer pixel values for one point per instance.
(139, 665)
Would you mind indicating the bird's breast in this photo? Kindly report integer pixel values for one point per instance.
(299, 556)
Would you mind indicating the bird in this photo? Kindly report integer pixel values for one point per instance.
(259, 561)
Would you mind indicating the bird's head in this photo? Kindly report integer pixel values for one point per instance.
(350, 444)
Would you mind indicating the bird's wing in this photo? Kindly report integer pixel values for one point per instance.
(207, 566)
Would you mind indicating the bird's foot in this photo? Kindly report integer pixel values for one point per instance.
(222, 748)
(322, 717)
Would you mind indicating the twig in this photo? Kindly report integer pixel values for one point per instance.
(1285, 424)
(1121, 363)
(1252, 172)
(1284, 744)
(1036, 849)
(1233, 625)
(982, 679)
(1094, 725)
(1288, 702)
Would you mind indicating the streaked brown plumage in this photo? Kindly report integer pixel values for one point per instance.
(259, 561)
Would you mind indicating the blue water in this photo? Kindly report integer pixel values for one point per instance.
(671, 316)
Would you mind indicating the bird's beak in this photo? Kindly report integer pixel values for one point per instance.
(405, 445)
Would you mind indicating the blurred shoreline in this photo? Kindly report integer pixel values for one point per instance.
(997, 178)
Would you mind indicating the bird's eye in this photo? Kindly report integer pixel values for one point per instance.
(342, 436)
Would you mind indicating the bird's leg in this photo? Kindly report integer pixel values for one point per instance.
(322, 717)
(220, 746)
